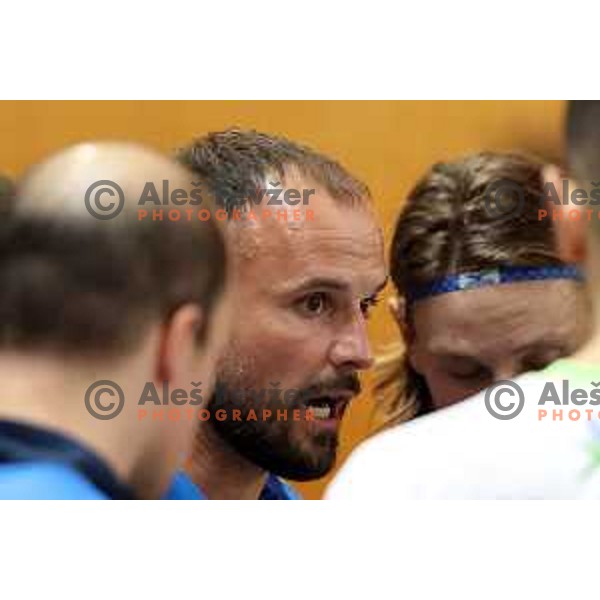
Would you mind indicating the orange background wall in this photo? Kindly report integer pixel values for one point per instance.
(388, 144)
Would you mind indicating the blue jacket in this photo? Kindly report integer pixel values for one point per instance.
(45, 481)
(39, 464)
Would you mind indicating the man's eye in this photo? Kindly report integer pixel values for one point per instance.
(316, 303)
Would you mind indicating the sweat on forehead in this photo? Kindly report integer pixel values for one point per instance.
(326, 223)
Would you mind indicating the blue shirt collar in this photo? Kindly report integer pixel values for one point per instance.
(183, 488)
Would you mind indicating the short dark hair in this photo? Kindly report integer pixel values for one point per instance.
(583, 138)
(75, 285)
(235, 163)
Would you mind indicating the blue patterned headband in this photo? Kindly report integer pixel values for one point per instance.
(486, 277)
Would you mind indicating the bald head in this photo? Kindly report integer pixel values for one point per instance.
(75, 276)
(102, 171)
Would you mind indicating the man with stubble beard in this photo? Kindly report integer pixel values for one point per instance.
(308, 267)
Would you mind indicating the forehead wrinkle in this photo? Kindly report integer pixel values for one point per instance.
(255, 238)
(489, 346)
(286, 266)
(502, 319)
(332, 240)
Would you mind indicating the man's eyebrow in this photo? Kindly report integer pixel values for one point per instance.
(326, 283)
(316, 282)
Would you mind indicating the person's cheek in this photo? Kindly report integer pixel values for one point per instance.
(440, 388)
(446, 391)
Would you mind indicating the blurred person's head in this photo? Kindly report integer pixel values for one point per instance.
(480, 297)
(84, 299)
(6, 187)
(579, 229)
(583, 140)
(304, 288)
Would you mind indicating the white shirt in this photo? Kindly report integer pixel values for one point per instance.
(463, 452)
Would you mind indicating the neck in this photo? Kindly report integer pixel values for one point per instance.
(49, 393)
(220, 472)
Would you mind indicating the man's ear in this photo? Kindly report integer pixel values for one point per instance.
(178, 349)
(568, 219)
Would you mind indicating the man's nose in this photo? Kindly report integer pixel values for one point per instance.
(352, 349)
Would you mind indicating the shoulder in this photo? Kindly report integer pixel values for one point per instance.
(45, 481)
(464, 452)
(393, 462)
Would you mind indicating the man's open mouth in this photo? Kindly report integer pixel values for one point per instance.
(329, 406)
